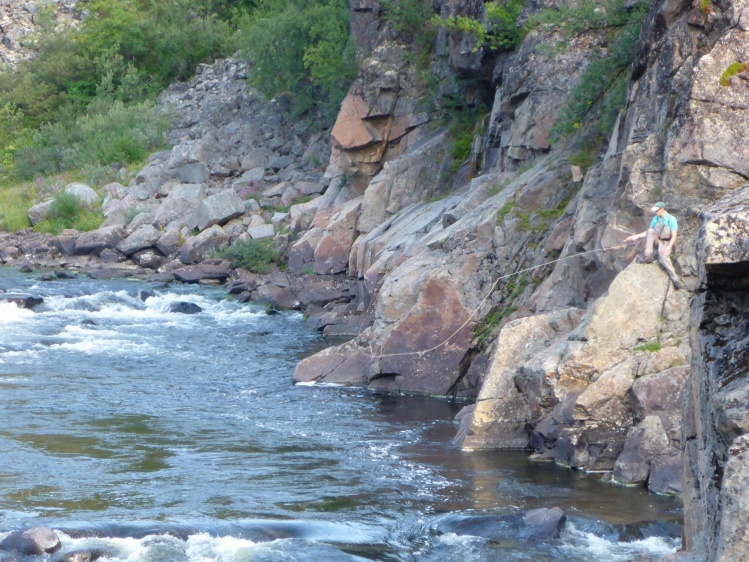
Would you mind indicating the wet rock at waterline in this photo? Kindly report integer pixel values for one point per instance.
(21, 300)
(183, 307)
(83, 556)
(32, 541)
(533, 525)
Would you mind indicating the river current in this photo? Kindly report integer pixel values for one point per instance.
(162, 437)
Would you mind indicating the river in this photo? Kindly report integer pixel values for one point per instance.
(158, 436)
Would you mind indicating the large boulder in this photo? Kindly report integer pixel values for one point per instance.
(83, 193)
(197, 247)
(39, 212)
(33, 541)
(646, 441)
(534, 525)
(332, 252)
(179, 205)
(97, 240)
(143, 237)
(716, 426)
(219, 272)
(217, 209)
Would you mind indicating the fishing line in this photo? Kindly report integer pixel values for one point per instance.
(488, 294)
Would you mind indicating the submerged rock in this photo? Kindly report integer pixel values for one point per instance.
(533, 525)
(183, 307)
(22, 300)
(83, 555)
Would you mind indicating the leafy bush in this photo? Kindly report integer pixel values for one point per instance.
(302, 50)
(67, 211)
(499, 30)
(107, 133)
(14, 206)
(600, 93)
(412, 20)
(253, 255)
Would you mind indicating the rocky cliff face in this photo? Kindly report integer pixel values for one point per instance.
(590, 364)
(716, 421)
(506, 281)
(19, 19)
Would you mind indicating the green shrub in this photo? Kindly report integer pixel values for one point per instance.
(412, 20)
(67, 211)
(14, 205)
(253, 255)
(732, 70)
(500, 30)
(107, 133)
(650, 347)
(600, 93)
(302, 50)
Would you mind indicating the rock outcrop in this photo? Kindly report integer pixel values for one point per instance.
(716, 422)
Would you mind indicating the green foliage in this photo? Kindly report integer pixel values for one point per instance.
(14, 206)
(514, 288)
(732, 70)
(650, 347)
(56, 107)
(500, 30)
(584, 159)
(600, 92)
(539, 221)
(505, 210)
(464, 125)
(411, 20)
(301, 50)
(67, 211)
(253, 255)
(106, 133)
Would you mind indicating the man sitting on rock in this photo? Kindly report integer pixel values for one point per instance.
(663, 228)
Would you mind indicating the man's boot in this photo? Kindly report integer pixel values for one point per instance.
(645, 259)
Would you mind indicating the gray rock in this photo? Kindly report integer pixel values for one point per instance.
(645, 441)
(33, 541)
(666, 474)
(203, 272)
(149, 258)
(83, 193)
(217, 209)
(9, 253)
(196, 172)
(97, 240)
(261, 231)
(143, 237)
(254, 160)
(182, 307)
(168, 243)
(197, 247)
(279, 162)
(110, 255)
(534, 525)
(179, 204)
(89, 555)
(21, 300)
(38, 212)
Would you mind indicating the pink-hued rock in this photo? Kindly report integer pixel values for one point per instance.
(332, 252)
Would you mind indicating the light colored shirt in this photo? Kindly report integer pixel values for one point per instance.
(668, 220)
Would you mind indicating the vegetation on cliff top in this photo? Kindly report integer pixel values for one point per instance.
(86, 98)
(84, 104)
